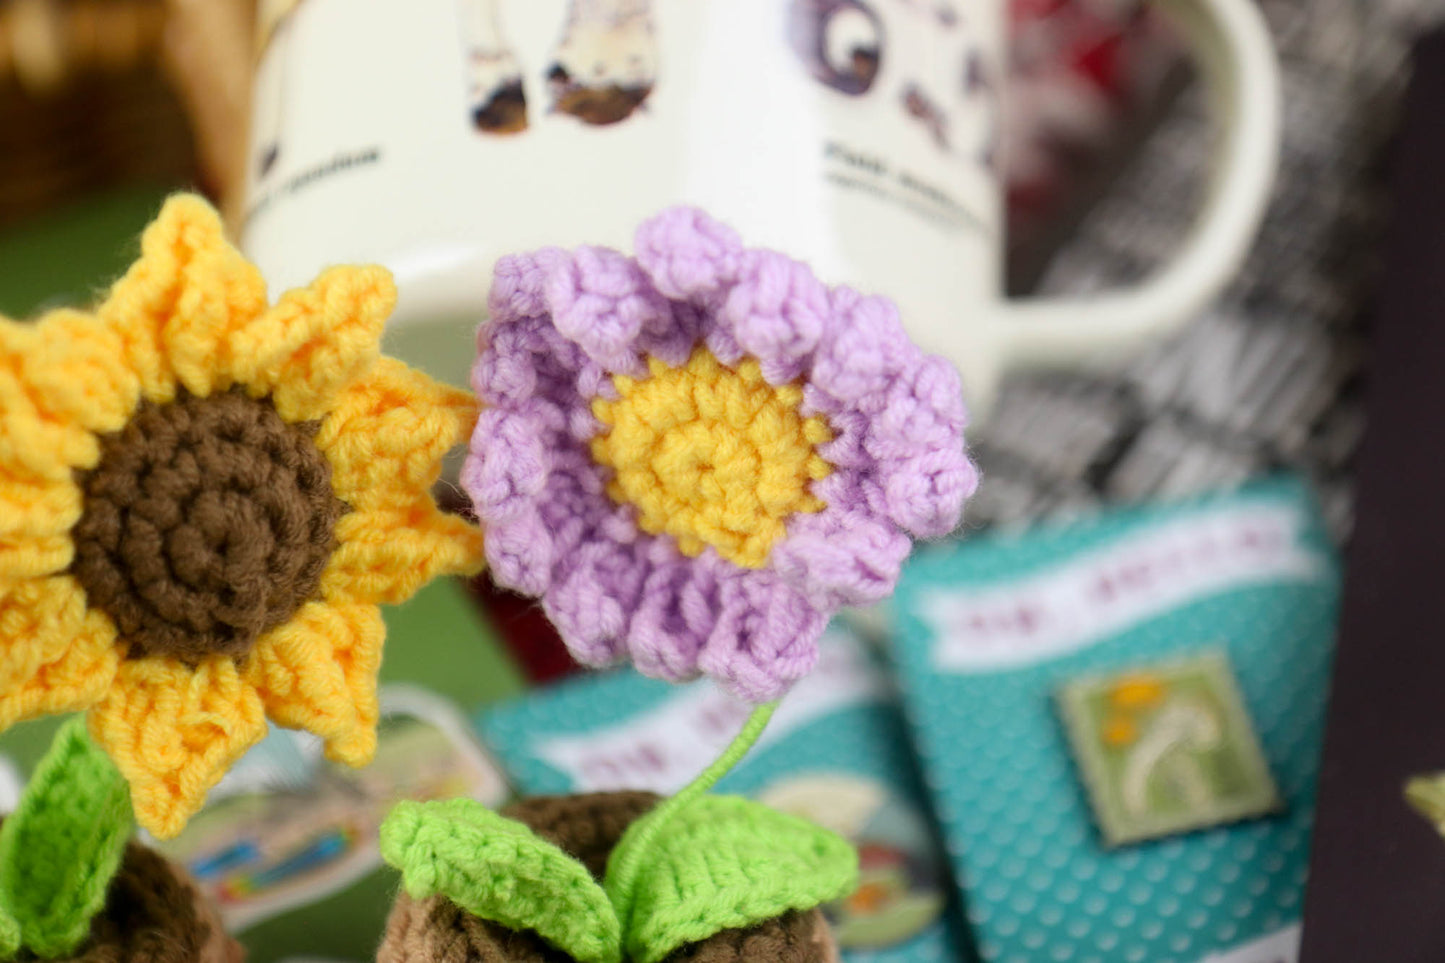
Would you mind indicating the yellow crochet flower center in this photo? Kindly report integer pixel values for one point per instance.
(711, 455)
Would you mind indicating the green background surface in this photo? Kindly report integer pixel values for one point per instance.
(438, 640)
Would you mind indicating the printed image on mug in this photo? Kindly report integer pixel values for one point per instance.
(600, 72)
(862, 137)
(605, 63)
(843, 43)
(839, 41)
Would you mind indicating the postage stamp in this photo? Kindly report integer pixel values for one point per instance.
(1166, 748)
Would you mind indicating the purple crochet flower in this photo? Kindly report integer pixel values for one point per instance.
(695, 456)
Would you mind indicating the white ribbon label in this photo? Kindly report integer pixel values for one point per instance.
(663, 748)
(1102, 592)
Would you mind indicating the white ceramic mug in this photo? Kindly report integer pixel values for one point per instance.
(434, 136)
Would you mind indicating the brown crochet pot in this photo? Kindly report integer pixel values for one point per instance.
(436, 930)
(154, 913)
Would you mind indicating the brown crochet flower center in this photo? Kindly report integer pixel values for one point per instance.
(207, 522)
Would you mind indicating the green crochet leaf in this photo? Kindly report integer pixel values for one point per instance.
(720, 863)
(498, 869)
(9, 936)
(60, 849)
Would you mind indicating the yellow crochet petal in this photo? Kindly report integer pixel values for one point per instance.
(62, 379)
(318, 672)
(387, 435)
(76, 367)
(59, 656)
(173, 731)
(316, 341)
(34, 440)
(36, 516)
(386, 554)
(179, 305)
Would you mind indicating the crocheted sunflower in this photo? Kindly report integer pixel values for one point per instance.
(202, 501)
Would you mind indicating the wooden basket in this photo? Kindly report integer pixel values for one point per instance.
(101, 93)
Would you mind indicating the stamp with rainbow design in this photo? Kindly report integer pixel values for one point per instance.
(1166, 749)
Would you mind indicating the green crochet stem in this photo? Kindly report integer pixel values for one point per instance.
(61, 847)
(623, 869)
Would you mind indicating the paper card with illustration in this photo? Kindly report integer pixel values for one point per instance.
(1172, 663)
(286, 828)
(835, 753)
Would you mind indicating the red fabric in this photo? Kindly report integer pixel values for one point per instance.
(525, 631)
(1100, 55)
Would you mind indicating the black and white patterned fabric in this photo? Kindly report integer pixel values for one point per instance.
(1269, 378)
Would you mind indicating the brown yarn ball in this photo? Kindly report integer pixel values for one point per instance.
(586, 826)
(207, 522)
(155, 914)
(436, 930)
(794, 937)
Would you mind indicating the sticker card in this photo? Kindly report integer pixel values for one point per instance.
(1166, 749)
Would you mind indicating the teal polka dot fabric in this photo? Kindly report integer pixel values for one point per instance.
(989, 629)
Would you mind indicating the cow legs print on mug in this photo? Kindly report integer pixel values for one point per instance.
(605, 65)
(494, 77)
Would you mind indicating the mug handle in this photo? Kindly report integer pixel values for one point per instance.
(1231, 42)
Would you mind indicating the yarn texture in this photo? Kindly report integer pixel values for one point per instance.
(724, 862)
(498, 869)
(60, 850)
(696, 455)
(155, 914)
(177, 543)
(151, 912)
(203, 499)
(436, 930)
(711, 456)
(586, 827)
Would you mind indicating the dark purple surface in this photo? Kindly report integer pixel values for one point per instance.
(1377, 884)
